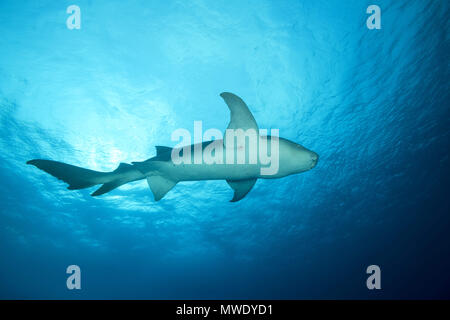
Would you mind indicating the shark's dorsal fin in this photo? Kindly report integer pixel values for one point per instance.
(241, 188)
(161, 149)
(160, 186)
(162, 154)
(240, 115)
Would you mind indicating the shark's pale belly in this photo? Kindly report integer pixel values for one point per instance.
(192, 172)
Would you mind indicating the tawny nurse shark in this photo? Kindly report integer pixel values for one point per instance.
(191, 163)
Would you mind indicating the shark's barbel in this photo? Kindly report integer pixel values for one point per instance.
(163, 173)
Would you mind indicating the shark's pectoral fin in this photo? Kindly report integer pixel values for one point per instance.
(241, 188)
(240, 115)
(160, 186)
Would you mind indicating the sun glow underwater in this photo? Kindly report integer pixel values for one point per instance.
(325, 122)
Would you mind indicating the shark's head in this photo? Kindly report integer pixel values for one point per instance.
(306, 159)
(299, 159)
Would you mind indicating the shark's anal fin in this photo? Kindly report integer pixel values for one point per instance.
(240, 115)
(160, 186)
(241, 188)
(115, 181)
(107, 187)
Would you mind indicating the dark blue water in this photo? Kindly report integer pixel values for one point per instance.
(372, 103)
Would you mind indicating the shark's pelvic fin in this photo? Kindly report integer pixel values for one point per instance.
(240, 115)
(151, 168)
(241, 188)
(160, 186)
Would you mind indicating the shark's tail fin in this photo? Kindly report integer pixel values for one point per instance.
(80, 178)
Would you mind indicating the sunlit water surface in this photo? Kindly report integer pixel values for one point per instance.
(372, 103)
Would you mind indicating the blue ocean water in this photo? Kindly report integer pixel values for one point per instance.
(372, 103)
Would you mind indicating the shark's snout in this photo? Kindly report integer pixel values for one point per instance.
(314, 159)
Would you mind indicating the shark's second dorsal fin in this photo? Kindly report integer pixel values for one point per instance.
(123, 167)
(240, 115)
(241, 188)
